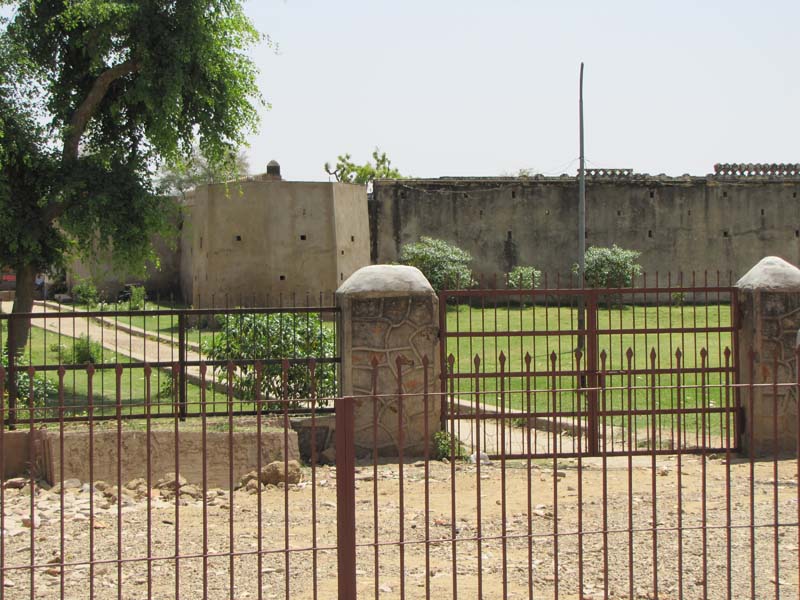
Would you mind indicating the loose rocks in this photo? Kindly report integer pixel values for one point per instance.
(274, 473)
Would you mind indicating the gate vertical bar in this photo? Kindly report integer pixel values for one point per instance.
(738, 415)
(182, 363)
(593, 447)
(11, 381)
(345, 497)
(443, 358)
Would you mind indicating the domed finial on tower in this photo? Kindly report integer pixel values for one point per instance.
(273, 170)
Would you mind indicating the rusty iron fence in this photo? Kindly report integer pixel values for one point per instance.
(688, 326)
(216, 507)
(164, 511)
(173, 343)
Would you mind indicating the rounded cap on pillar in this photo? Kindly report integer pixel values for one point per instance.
(771, 274)
(378, 281)
(273, 168)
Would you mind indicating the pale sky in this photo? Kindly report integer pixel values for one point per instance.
(459, 87)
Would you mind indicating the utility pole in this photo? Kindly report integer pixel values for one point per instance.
(581, 219)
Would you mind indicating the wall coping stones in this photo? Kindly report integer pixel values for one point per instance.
(380, 281)
(771, 274)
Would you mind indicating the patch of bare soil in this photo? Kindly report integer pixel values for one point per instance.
(573, 516)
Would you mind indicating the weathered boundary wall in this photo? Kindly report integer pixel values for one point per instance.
(724, 222)
(162, 445)
(46, 460)
(161, 280)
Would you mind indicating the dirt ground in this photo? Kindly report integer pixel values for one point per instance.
(524, 559)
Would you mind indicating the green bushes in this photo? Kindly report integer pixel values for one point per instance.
(446, 266)
(446, 445)
(85, 293)
(138, 297)
(613, 267)
(524, 278)
(252, 337)
(83, 351)
(86, 351)
(43, 388)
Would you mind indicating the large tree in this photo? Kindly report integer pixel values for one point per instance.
(94, 96)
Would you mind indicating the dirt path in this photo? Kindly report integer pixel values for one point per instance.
(526, 556)
(139, 348)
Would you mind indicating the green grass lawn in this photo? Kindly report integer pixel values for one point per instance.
(530, 328)
(46, 348)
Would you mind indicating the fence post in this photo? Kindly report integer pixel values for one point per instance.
(769, 303)
(345, 497)
(389, 311)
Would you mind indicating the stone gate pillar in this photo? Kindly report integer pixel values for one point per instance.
(390, 311)
(769, 303)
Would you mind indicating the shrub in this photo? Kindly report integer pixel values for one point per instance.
(57, 348)
(43, 388)
(524, 278)
(84, 351)
(138, 297)
(166, 391)
(85, 293)
(610, 267)
(252, 337)
(445, 265)
(678, 298)
(446, 444)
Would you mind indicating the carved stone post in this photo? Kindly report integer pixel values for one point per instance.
(769, 301)
(390, 312)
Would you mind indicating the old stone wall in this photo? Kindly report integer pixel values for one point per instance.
(162, 447)
(161, 280)
(723, 222)
(260, 241)
(254, 241)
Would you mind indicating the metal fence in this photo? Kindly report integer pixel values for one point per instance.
(683, 330)
(214, 507)
(109, 359)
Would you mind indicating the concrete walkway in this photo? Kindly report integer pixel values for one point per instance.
(122, 339)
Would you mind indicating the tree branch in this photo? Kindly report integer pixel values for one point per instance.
(80, 118)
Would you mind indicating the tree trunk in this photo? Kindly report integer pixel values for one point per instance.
(23, 303)
(18, 330)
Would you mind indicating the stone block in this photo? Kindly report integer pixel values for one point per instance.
(370, 334)
(368, 308)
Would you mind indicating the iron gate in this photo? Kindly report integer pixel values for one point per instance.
(591, 371)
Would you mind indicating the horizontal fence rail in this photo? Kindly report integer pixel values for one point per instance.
(162, 509)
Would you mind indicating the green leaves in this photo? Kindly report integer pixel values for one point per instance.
(446, 266)
(610, 267)
(187, 173)
(523, 277)
(253, 337)
(123, 86)
(347, 171)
